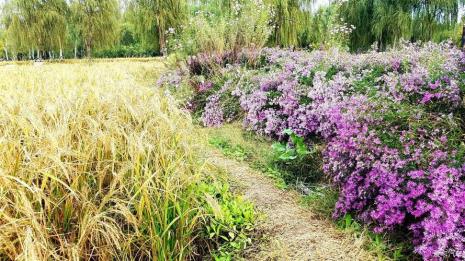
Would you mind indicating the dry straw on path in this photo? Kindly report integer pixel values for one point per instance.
(292, 232)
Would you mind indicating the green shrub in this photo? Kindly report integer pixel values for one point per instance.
(136, 50)
(297, 160)
(229, 223)
(212, 29)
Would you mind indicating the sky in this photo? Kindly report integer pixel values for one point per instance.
(320, 3)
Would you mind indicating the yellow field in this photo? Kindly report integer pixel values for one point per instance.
(95, 164)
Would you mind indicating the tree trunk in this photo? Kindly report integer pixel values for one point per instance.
(161, 39)
(463, 36)
(6, 53)
(88, 51)
(39, 56)
(89, 48)
(75, 49)
(61, 49)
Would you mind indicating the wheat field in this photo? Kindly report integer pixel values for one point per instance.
(95, 164)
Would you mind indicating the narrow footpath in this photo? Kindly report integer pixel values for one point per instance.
(291, 231)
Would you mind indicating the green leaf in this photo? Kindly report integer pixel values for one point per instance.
(231, 235)
(278, 147)
(288, 132)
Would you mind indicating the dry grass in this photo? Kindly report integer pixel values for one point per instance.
(291, 231)
(94, 165)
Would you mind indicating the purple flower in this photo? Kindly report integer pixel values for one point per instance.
(390, 157)
(427, 97)
(205, 86)
(213, 114)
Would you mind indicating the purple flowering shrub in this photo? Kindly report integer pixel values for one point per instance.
(211, 79)
(391, 124)
(388, 175)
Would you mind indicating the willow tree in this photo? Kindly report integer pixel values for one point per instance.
(53, 24)
(23, 25)
(153, 18)
(392, 21)
(73, 35)
(35, 25)
(290, 18)
(96, 22)
(3, 45)
(285, 15)
(322, 22)
(387, 21)
(433, 16)
(15, 35)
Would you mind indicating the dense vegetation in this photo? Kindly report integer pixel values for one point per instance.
(97, 166)
(388, 21)
(364, 98)
(387, 126)
(35, 29)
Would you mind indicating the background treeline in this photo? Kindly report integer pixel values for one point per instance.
(42, 29)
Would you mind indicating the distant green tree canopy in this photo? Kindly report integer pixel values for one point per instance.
(34, 29)
(35, 25)
(387, 21)
(96, 22)
(153, 18)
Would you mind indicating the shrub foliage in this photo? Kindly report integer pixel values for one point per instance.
(391, 123)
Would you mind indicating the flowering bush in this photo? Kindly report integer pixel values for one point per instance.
(391, 124)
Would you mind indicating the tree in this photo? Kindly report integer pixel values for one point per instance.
(392, 21)
(73, 35)
(3, 46)
(53, 24)
(432, 16)
(96, 22)
(387, 21)
(21, 23)
(285, 22)
(35, 25)
(155, 17)
(322, 33)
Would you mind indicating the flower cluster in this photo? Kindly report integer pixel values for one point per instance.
(391, 126)
(343, 28)
(213, 114)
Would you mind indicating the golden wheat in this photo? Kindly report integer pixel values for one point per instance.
(93, 165)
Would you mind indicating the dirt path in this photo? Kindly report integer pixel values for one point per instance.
(292, 232)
